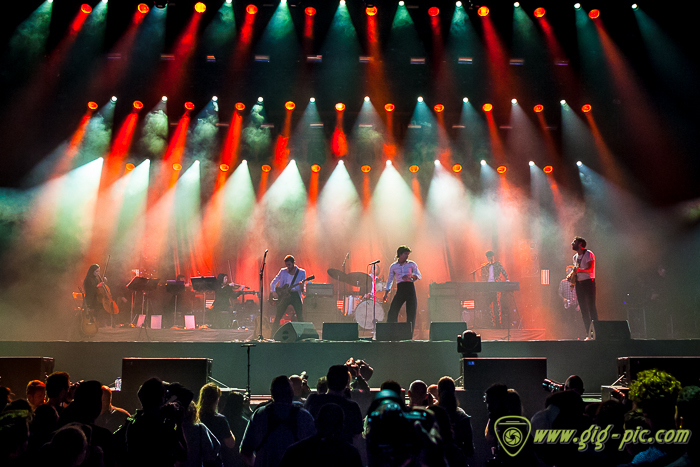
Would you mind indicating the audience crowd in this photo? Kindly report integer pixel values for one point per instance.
(341, 423)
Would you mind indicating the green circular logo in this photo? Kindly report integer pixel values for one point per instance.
(512, 437)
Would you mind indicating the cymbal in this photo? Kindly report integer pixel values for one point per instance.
(355, 278)
(338, 275)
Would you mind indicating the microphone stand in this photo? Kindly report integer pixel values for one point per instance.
(262, 270)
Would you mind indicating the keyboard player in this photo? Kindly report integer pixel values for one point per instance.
(492, 271)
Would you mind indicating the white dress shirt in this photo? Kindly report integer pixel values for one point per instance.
(284, 278)
(399, 270)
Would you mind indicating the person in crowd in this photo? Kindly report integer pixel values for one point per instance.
(202, 446)
(563, 411)
(300, 387)
(69, 447)
(84, 409)
(574, 383)
(237, 412)
(36, 393)
(338, 380)
(58, 390)
(433, 391)
(44, 422)
(326, 447)
(322, 385)
(275, 427)
(688, 418)
(500, 402)
(207, 412)
(110, 417)
(418, 395)
(5, 397)
(13, 437)
(459, 420)
(154, 436)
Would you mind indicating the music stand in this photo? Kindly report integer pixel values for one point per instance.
(175, 288)
(204, 284)
(143, 285)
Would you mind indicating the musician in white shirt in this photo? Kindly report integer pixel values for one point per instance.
(289, 275)
(584, 264)
(406, 273)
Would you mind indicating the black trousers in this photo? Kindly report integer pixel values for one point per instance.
(405, 293)
(585, 293)
(295, 300)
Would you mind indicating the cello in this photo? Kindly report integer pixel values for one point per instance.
(105, 295)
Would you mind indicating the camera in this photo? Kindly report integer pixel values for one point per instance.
(553, 386)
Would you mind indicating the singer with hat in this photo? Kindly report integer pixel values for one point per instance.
(406, 273)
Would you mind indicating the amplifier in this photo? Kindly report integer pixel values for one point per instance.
(323, 290)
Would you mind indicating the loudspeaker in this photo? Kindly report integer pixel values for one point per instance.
(341, 331)
(609, 330)
(447, 331)
(684, 369)
(295, 331)
(192, 373)
(394, 332)
(16, 372)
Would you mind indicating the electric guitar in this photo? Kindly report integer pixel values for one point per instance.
(285, 291)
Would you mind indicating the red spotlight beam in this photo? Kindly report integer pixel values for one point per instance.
(498, 61)
(172, 77)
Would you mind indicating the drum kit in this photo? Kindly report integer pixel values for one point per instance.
(362, 302)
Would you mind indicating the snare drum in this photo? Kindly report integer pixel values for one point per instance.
(365, 314)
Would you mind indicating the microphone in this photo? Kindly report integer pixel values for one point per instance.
(373, 262)
(348, 255)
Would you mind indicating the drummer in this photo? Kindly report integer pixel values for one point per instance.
(406, 273)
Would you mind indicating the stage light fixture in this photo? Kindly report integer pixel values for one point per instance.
(586, 108)
(260, 99)
(143, 8)
(266, 168)
(164, 98)
(339, 106)
(341, 162)
(514, 101)
(516, 4)
(635, 6)
(240, 106)
(312, 100)
(483, 162)
(593, 14)
(310, 11)
(189, 106)
(433, 11)
(538, 108)
(539, 12)
(371, 10)
(457, 168)
(420, 99)
(388, 163)
(224, 167)
(177, 167)
(129, 167)
(439, 108)
(251, 9)
(366, 98)
(531, 163)
(228, 2)
(465, 100)
(85, 8)
(214, 98)
(200, 7)
(389, 107)
(487, 107)
(501, 169)
(366, 168)
(548, 169)
(401, 3)
(458, 4)
(114, 99)
(289, 105)
(577, 6)
(579, 163)
(413, 169)
(483, 11)
(92, 105)
(316, 168)
(138, 105)
(562, 102)
(342, 2)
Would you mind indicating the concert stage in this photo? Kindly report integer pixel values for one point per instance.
(594, 361)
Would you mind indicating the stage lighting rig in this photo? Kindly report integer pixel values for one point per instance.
(469, 344)
(160, 3)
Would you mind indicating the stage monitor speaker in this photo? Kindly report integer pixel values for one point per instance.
(295, 331)
(16, 372)
(394, 332)
(192, 373)
(609, 330)
(341, 331)
(447, 331)
(684, 369)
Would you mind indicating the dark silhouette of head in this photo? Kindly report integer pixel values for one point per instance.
(152, 394)
(281, 390)
(338, 378)
(330, 420)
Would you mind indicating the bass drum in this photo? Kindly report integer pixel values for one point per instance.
(365, 314)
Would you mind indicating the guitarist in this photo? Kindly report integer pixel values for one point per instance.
(584, 268)
(288, 276)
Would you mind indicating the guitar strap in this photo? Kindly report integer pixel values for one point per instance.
(294, 279)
